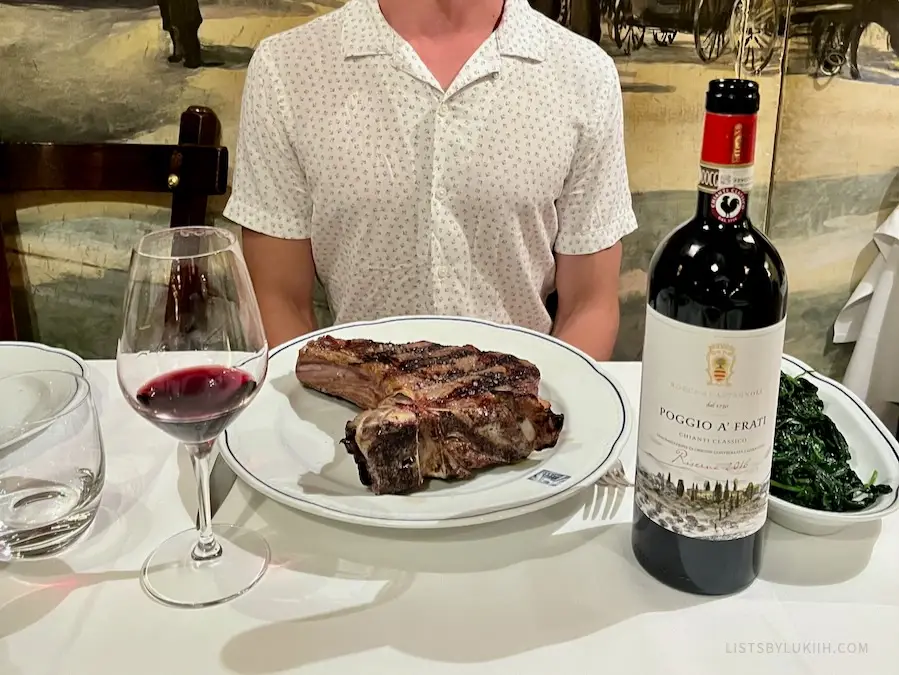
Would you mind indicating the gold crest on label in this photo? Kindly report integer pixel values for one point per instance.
(720, 364)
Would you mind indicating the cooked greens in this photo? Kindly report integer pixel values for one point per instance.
(810, 460)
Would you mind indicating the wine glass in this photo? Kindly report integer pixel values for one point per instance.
(191, 357)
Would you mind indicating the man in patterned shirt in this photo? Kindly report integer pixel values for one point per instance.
(455, 157)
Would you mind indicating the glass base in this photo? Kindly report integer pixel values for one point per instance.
(173, 577)
(46, 540)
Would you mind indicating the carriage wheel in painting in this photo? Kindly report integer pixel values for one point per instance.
(628, 37)
(831, 50)
(664, 37)
(607, 9)
(754, 43)
(711, 19)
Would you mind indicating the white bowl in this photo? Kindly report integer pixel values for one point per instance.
(872, 448)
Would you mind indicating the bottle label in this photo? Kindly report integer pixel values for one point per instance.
(707, 426)
(726, 158)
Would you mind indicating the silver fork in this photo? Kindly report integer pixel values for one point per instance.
(608, 494)
(615, 477)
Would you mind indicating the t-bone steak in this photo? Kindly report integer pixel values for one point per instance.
(430, 410)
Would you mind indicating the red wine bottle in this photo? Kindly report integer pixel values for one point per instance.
(714, 335)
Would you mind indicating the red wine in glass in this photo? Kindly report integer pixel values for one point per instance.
(195, 404)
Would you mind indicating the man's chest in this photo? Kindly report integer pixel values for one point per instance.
(395, 143)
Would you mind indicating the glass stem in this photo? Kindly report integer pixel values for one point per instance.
(207, 547)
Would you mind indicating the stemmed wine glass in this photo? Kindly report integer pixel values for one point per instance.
(191, 357)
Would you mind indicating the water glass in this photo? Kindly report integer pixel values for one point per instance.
(52, 464)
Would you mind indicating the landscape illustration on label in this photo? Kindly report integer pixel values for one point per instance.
(689, 504)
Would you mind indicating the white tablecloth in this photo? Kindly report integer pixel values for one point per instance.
(557, 591)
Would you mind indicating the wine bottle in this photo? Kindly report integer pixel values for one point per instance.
(714, 335)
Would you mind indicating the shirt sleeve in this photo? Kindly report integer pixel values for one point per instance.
(594, 210)
(269, 191)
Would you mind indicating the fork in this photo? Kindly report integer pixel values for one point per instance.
(608, 495)
(615, 477)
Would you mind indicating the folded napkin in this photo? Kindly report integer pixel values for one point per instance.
(850, 320)
(870, 319)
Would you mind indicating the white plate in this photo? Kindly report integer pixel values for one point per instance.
(36, 399)
(286, 444)
(872, 448)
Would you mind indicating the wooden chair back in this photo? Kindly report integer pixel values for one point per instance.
(193, 170)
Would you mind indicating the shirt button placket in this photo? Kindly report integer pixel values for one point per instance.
(439, 193)
(437, 166)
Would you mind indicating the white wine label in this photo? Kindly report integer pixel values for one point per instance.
(714, 177)
(706, 427)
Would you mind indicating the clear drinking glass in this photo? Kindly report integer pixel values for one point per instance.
(52, 465)
(191, 357)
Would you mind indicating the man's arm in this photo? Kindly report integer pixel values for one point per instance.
(270, 199)
(594, 213)
(588, 312)
(284, 277)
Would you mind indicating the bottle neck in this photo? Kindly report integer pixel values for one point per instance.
(726, 168)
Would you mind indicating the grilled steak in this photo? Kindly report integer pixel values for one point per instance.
(431, 411)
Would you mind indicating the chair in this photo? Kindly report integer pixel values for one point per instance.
(191, 171)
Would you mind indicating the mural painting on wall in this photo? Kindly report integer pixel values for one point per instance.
(114, 70)
(100, 70)
(103, 70)
(828, 35)
(820, 204)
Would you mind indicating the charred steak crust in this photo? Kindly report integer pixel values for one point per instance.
(430, 410)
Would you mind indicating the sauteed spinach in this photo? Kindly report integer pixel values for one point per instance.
(810, 460)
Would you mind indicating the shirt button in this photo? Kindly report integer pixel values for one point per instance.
(442, 112)
(440, 193)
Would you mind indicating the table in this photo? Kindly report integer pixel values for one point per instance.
(557, 591)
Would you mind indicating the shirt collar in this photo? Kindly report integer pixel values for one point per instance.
(365, 32)
(522, 31)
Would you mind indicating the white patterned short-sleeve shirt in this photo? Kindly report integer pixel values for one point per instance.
(419, 200)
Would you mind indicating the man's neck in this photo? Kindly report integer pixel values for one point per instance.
(441, 18)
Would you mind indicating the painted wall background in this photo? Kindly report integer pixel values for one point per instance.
(827, 164)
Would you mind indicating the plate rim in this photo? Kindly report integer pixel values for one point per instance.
(72, 356)
(305, 505)
(877, 424)
(319, 511)
(77, 360)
